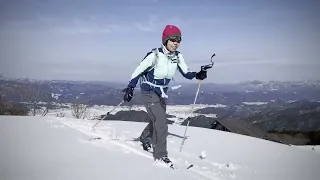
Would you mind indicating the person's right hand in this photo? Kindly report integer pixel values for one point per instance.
(201, 75)
(128, 93)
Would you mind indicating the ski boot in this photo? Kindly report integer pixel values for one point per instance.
(166, 161)
(146, 146)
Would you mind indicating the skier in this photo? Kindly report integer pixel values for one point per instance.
(155, 72)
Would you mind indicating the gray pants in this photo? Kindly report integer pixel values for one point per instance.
(156, 131)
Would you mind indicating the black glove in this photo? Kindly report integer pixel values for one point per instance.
(201, 75)
(128, 93)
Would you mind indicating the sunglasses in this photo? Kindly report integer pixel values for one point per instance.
(175, 39)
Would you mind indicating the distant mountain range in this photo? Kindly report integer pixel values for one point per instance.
(109, 93)
(302, 116)
(272, 106)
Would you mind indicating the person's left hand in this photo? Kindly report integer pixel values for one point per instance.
(201, 75)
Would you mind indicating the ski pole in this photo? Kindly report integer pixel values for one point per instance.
(194, 102)
(108, 113)
(203, 68)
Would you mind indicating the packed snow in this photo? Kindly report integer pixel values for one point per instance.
(48, 148)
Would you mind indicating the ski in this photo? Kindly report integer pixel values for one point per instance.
(172, 166)
(190, 166)
(177, 167)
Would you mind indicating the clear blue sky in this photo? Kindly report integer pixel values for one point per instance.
(92, 39)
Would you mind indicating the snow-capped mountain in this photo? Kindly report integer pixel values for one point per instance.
(280, 85)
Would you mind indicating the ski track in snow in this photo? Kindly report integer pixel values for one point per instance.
(123, 141)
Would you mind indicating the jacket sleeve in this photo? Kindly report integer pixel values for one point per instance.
(183, 68)
(144, 65)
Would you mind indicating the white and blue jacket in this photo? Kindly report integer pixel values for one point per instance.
(157, 69)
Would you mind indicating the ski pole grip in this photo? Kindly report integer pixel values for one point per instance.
(206, 67)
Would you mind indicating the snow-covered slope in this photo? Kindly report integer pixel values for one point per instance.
(45, 148)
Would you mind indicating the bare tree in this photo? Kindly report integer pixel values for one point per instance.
(48, 99)
(79, 110)
(8, 107)
(4, 91)
(33, 94)
(4, 105)
(61, 114)
(27, 95)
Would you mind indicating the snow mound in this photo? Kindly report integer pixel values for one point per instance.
(48, 148)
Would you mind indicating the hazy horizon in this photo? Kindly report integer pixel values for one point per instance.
(124, 83)
(93, 40)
